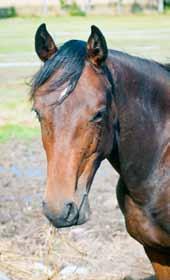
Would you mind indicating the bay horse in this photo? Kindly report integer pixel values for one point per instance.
(95, 104)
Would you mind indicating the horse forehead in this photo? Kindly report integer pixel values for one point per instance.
(93, 85)
(94, 77)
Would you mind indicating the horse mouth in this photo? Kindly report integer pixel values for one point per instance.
(70, 217)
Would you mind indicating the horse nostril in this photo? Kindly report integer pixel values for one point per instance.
(67, 216)
(71, 211)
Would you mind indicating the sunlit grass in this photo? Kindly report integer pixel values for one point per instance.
(10, 131)
(21, 39)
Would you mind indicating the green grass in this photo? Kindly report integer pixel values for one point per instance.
(144, 35)
(21, 39)
(131, 33)
(10, 131)
(11, 105)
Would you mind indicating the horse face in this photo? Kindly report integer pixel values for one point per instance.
(77, 135)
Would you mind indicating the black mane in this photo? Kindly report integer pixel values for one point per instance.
(70, 59)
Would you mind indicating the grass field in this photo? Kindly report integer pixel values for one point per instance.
(147, 36)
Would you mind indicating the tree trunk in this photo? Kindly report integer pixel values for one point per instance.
(160, 6)
(119, 6)
(45, 7)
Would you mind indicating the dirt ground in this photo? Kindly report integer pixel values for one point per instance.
(31, 249)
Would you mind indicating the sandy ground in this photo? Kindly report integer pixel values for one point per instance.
(31, 249)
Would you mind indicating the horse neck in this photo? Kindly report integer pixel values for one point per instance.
(130, 74)
(137, 86)
(136, 78)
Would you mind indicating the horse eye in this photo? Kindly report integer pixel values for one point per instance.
(37, 114)
(98, 117)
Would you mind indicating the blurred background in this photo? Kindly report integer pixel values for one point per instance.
(29, 247)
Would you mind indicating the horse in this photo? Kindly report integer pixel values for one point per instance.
(95, 104)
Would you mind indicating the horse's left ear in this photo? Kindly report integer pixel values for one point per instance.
(44, 43)
(96, 47)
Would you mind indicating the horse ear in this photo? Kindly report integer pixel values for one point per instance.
(44, 43)
(96, 47)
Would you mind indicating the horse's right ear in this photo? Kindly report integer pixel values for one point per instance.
(44, 43)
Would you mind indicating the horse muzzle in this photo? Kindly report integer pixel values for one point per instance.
(71, 214)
